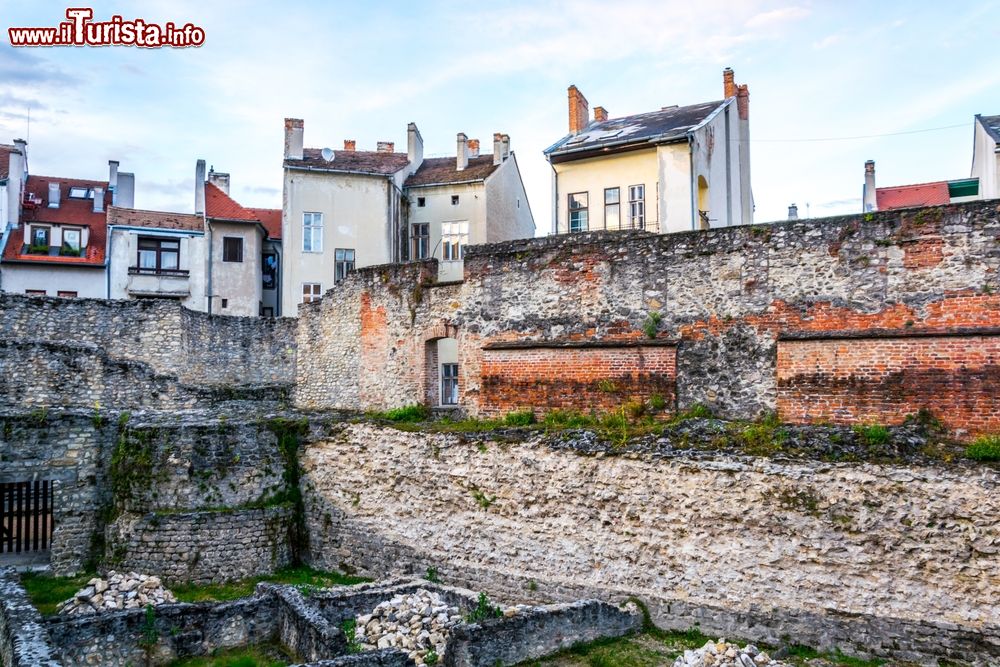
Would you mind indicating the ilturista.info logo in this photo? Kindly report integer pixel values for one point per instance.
(81, 30)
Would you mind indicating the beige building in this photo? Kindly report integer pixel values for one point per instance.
(671, 170)
(345, 209)
(986, 156)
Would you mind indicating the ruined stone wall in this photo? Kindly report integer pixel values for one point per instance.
(895, 560)
(724, 296)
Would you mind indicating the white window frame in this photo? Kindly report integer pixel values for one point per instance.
(581, 211)
(315, 292)
(454, 238)
(421, 241)
(341, 264)
(312, 231)
(637, 206)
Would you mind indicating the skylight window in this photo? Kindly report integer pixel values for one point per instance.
(81, 193)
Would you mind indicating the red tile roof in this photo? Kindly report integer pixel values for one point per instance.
(908, 196)
(443, 170)
(221, 206)
(270, 218)
(77, 212)
(134, 217)
(363, 162)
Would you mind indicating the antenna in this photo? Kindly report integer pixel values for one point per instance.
(27, 134)
(328, 154)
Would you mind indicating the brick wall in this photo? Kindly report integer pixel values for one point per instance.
(851, 380)
(601, 378)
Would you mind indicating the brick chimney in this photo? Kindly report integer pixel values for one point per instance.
(579, 111)
(743, 101)
(497, 148)
(294, 131)
(473, 147)
(869, 201)
(385, 147)
(728, 83)
(98, 200)
(350, 145)
(462, 152)
(600, 114)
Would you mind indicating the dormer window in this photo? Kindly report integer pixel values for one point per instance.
(39, 241)
(81, 193)
(71, 242)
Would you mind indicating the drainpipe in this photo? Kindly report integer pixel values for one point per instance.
(555, 201)
(107, 261)
(208, 286)
(691, 185)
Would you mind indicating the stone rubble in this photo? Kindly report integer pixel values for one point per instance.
(725, 654)
(119, 591)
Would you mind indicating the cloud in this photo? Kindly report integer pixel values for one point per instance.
(776, 16)
(828, 41)
(20, 66)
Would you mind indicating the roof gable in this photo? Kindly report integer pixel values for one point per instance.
(220, 206)
(271, 219)
(444, 170)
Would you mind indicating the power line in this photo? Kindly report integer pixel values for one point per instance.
(864, 136)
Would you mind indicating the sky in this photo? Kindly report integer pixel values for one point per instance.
(831, 85)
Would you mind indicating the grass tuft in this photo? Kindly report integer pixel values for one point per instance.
(984, 448)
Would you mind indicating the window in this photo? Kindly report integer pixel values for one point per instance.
(232, 249)
(454, 238)
(81, 193)
(67, 294)
(267, 311)
(312, 232)
(612, 214)
(637, 206)
(311, 292)
(578, 212)
(454, 200)
(35, 292)
(225, 303)
(158, 254)
(343, 264)
(421, 201)
(421, 240)
(269, 270)
(449, 384)
(39, 240)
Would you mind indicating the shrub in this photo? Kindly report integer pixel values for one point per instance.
(657, 402)
(568, 419)
(484, 610)
(696, 411)
(984, 448)
(652, 324)
(519, 418)
(873, 435)
(408, 413)
(634, 409)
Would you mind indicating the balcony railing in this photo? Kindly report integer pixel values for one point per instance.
(139, 271)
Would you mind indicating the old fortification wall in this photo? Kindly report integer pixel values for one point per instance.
(892, 559)
(711, 317)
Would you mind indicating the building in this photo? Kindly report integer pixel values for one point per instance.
(986, 155)
(58, 246)
(935, 193)
(13, 174)
(350, 208)
(671, 170)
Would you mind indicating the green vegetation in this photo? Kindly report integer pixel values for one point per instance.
(295, 576)
(872, 435)
(39, 249)
(431, 658)
(432, 575)
(519, 418)
(254, 656)
(651, 325)
(290, 433)
(984, 448)
(657, 403)
(608, 386)
(696, 411)
(484, 610)
(763, 438)
(349, 628)
(481, 498)
(406, 414)
(46, 591)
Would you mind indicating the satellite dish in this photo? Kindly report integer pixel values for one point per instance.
(327, 154)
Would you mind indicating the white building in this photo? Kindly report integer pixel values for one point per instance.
(671, 170)
(13, 174)
(986, 156)
(345, 209)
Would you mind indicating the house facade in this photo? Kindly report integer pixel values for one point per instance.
(986, 155)
(675, 169)
(348, 208)
(13, 174)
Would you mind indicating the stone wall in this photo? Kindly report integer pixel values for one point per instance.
(724, 296)
(23, 639)
(202, 547)
(892, 560)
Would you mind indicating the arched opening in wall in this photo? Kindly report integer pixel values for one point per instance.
(703, 221)
(441, 373)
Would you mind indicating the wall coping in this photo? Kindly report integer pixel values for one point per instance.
(858, 334)
(580, 344)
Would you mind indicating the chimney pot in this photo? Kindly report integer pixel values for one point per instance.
(728, 83)
(385, 147)
(793, 212)
(578, 110)
(743, 101)
(53, 195)
(473, 147)
(294, 134)
(350, 145)
(600, 114)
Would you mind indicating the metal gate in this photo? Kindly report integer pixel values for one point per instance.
(25, 516)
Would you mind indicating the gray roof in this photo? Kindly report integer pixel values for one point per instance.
(992, 125)
(376, 163)
(667, 125)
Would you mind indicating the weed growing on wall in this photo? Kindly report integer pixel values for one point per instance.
(651, 325)
(984, 448)
(290, 433)
(484, 610)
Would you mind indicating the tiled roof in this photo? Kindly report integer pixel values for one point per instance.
(221, 206)
(5, 151)
(992, 125)
(655, 127)
(271, 219)
(908, 196)
(442, 170)
(134, 217)
(70, 212)
(363, 162)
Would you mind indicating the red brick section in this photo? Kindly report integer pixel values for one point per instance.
(582, 378)
(849, 381)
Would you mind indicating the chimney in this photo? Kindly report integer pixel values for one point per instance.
(350, 145)
(869, 201)
(504, 146)
(473, 147)
(219, 179)
(743, 101)
(53, 195)
(414, 146)
(22, 146)
(462, 152)
(385, 147)
(98, 200)
(125, 194)
(578, 111)
(793, 212)
(728, 83)
(199, 186)
(600, 114)
(112, 175)
(15, 186)
(497, 148)
(294, 132)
